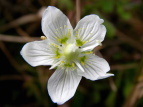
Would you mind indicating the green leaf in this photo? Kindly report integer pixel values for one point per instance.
(67, 4)
(111, 31)
(125, 15)
(107, 6)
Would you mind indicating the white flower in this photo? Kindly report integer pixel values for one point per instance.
(69, 51)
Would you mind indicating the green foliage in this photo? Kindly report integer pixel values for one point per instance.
(106, 6)
(78, 98)
(68, 4)
(111, 99)
(111, 31)
(117, 56)
(125, 15)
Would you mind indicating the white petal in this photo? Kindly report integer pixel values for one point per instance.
(90, 30)
(94, 67)
(105, 76)
(62, 85)
(79, 66)
(37, 53)
(54, 65)
(55, 25)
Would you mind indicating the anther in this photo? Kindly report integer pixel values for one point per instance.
(43, 37)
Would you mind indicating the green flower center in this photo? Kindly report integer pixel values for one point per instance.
(70, 52)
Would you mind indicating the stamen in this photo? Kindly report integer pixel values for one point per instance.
(88, 52)
(80, 42)
(63, 40)
(54, 45)
(82, 63)
(73, 65)
(69, 33)
(61, 64)
(62, 61)
(79, 66)
(53, 66)
(82, 60)
(79, 29)
(43, 37)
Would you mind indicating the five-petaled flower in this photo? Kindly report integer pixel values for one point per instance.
(68, 51)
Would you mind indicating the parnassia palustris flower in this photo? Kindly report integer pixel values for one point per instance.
(68, 51)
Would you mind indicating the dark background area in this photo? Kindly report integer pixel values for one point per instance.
(24, 86)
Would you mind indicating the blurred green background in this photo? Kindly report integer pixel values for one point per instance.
(24, 86)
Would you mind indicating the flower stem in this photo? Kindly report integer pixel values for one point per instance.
(136, 92)
(77, 10)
